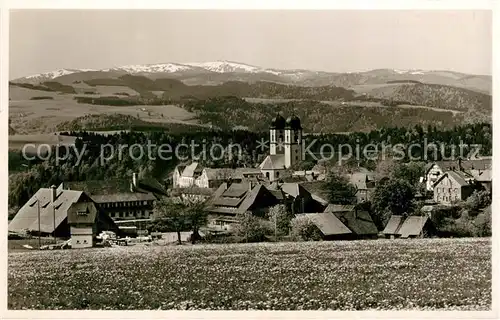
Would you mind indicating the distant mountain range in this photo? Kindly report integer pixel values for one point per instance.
(217, 72)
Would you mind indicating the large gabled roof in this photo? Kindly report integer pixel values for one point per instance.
(27, 217)
(290, 188)
(393, 225)
(460, 177)
(327, 223)
(412, 226)
(237, 198)
(357, 220)
(191, 170)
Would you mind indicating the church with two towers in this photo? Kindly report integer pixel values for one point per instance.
(285, 139)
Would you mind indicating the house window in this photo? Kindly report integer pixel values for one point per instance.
(267, 175)
(277, 174)
(77, 241)
(84, 241)
(296, 157)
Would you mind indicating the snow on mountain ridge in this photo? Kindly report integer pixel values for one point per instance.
(151, 68)
(225, 66)
(411, 71)
(57, 73)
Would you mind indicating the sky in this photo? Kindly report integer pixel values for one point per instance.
(336, 41)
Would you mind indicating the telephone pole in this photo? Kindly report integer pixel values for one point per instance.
(54, 216)
(275, 227)
(39, 227)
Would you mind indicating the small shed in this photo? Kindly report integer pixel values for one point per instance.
(81, 220)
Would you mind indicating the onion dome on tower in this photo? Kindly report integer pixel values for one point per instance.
(278, 122)
(293, 123)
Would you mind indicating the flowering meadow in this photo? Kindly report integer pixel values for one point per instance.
(424, 274)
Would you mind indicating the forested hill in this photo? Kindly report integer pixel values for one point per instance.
(317, 117)
(36, 174)
(251, 105)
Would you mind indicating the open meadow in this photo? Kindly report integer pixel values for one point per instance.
(424, 274)
(31, 116)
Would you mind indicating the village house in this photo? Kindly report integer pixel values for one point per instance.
(52, 205)
(185, 176)
(213, 178)
(330, 227)
(194, 175)
(81, 217)
(483, 177)
(357, 219)
(364, 183)
(339, 222)
(295, 197)
(123, 199)
(435, 170)
(453, 186)
(192, 193)
(232, 199)
(123, 206)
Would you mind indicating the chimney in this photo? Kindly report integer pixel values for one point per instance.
(134, 180)
(53, 193)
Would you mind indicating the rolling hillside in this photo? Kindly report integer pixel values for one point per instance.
(217, 72)
(244, 95)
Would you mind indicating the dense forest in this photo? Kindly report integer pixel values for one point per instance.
(27, 178)
(51, 86)
(111, 122)
(228, 112)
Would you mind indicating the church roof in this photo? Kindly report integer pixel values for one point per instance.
(273, 162)
(293, 122)
(278, 122)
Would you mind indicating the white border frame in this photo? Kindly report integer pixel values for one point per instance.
(227, 4)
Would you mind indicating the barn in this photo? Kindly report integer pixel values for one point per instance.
(52, 206)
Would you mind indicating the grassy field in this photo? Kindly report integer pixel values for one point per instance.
(42, 116)
(426, 274)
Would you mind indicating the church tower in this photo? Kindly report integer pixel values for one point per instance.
(277, 135)
(293, 142)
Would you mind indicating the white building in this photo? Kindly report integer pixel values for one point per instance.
(285, 138)
(185, 177)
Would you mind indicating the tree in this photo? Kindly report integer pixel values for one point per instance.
(477, 200)
(173, 213)
(340, 191)
(196, 216)
(181, 215)
(410, 172)
(393, 196)
(385, 169)
(251, 228)
(280, 219)
(302, 228)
